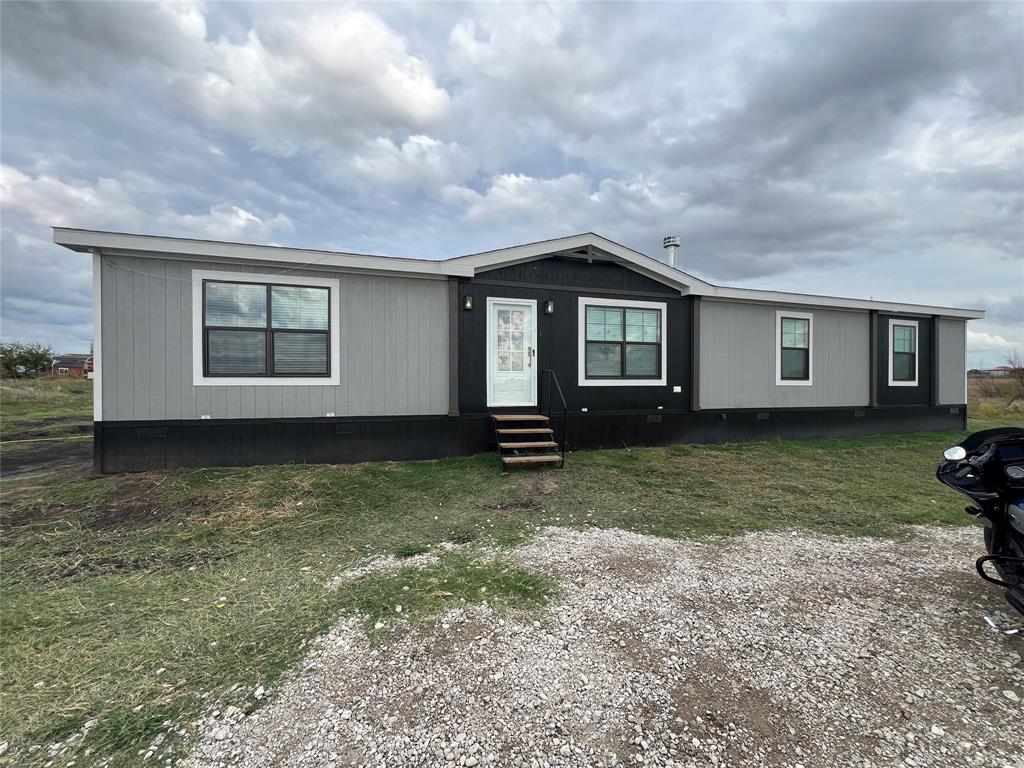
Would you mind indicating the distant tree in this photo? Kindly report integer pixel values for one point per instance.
(1015, 362)
(34, 357)
(10, 356)
(987, 387)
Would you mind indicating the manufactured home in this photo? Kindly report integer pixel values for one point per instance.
(213, 353)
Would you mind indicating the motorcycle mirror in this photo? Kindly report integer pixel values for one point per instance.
(956, 453)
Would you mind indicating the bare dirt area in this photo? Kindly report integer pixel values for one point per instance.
(762, 650)
(68, 459)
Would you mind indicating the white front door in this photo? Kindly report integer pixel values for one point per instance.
(511, 352)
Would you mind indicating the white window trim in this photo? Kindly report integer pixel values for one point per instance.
(581, 342)
(893, 322)
(809, 317)
(199, 380)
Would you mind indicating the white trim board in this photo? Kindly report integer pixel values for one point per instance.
(97, 335)
(809, 317)
(581, 342)
(893, 322)
(149, 246)
(152, 246)
(199, 380)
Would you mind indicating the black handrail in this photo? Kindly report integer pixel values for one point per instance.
(553, 377)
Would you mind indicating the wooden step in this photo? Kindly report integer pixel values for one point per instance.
(531, 431)
(518, 417)
(529, 444)
(548, 458)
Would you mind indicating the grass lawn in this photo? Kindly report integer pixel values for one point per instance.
(138, 600)
(43, 407)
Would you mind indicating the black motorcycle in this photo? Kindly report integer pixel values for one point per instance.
(988, 467)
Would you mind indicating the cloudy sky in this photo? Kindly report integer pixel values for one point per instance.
(867, 150)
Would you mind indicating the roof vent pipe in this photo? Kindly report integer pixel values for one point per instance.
(670, 243)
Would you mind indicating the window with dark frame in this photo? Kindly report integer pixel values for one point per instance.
(904, 352)
(795, 349)
(622, 343)
(263, 329)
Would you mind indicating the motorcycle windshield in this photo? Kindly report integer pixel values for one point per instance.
(975, 441)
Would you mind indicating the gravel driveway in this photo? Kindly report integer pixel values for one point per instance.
(766, 650)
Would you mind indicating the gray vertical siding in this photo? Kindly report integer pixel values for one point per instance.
(952, 360)
(393, 339)
(737, 358)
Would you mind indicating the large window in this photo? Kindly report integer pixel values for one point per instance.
(902, 353)
(622, 341)
(793, 348)
(262, 329)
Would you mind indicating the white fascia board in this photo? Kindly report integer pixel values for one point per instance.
(153, 246)
(640, 262)
(836, 302)
(114, 243)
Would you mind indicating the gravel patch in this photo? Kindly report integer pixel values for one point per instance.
(764, 650)
(389, 564)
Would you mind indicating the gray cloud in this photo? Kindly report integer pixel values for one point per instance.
(862, 148)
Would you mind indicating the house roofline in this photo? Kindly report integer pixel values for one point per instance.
(598, 247)
(155, 246)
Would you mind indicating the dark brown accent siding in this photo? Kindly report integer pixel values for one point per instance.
(558, 337)
(922, 393)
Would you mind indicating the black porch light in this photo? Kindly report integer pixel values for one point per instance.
(549, 307)
(467, 303)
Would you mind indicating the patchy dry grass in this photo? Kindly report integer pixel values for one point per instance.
(455, 579)
(138, 600)
(49, 406)
(994, 403)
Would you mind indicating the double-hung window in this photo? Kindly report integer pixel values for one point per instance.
(793, 348)
(254, 329)
(902, 353)
(622, 342)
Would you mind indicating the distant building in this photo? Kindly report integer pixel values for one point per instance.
(1000, 372)
(71, 365)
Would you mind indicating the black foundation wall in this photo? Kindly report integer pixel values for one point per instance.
(135, 446)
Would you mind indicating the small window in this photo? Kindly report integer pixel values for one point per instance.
(793, 353)
(902, 353)
(62, 370)
(622, 343)
(259, 329)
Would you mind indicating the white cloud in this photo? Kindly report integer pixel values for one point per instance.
(74, 42)
(986, 349)
(419, 161)
(327, 78)
(512, 197)
(122, 204)
(857, 149)
(950, 135)
(568, 203)
(981, 342)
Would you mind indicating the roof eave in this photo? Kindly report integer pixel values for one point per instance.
(118, 243)
(837, 302)
(86, 241)
(643, 263)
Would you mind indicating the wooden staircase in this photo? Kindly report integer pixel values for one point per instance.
(526, 439)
